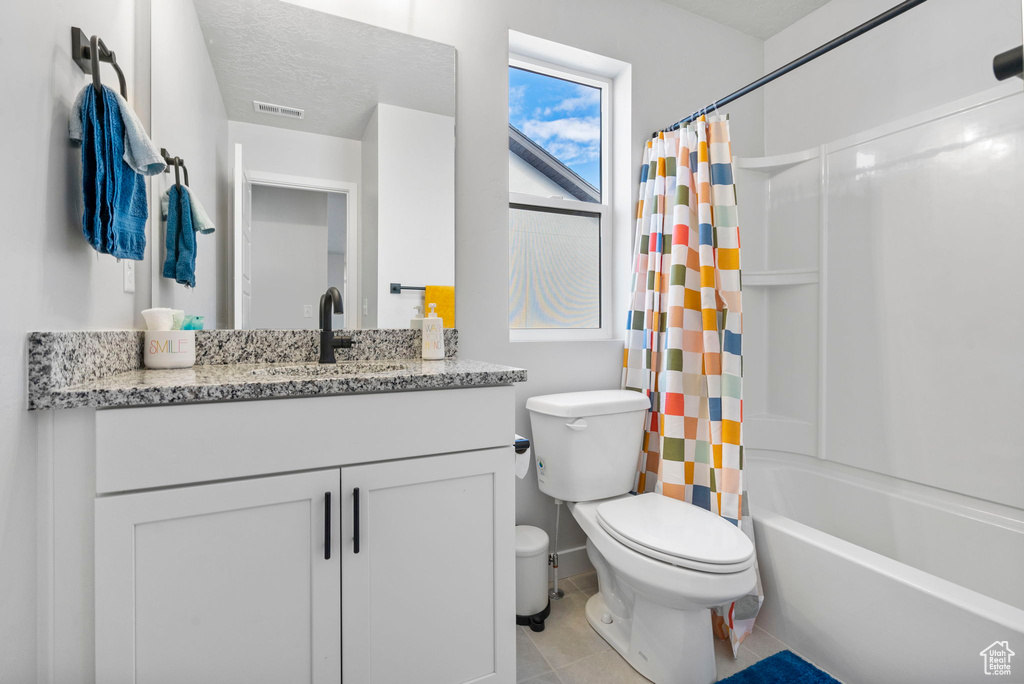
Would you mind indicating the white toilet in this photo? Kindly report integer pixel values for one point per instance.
(661, 563)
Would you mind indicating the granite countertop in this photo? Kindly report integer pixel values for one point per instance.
(101, 369)
(263, 381)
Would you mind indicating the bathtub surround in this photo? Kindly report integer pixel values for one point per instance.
(942, 569)
(92, 361)
(866, 420)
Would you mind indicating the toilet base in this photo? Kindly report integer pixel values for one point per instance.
(667, 646)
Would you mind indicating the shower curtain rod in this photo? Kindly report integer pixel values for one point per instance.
(885, 16)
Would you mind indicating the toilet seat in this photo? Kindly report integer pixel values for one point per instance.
(676, 532)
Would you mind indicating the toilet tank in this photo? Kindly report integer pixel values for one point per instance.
(587, 444)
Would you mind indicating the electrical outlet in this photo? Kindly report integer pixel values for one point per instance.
(129, 275)
(307, 311)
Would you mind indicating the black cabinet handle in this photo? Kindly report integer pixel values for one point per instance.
(355, 520)
(327, 526)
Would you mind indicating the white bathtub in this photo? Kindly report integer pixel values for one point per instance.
(879, 580)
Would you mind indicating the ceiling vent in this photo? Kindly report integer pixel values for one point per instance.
(279, 110)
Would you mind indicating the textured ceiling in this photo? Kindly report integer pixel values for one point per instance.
(334, 68)
(759, 18)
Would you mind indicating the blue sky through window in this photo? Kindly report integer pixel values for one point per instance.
(561, 116)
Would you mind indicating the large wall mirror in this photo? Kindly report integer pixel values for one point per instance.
(324, 151)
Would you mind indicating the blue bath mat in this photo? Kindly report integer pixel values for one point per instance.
(782, 668)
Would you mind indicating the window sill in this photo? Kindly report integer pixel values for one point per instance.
(556, 335)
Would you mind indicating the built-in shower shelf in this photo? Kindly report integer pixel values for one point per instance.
(779, 433)
(775, 164)
(783, 277)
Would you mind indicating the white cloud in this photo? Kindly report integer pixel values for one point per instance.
(575, 129)
(516, 95)
(586, 98)
(570, 140)
(574, 153)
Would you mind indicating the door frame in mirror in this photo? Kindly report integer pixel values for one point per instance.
(353, 312)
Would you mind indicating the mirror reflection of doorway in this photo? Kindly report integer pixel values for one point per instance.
(294, 238)
(298, 251)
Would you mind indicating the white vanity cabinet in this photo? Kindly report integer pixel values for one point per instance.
(422, 592)
(226, 582)
(211, 562)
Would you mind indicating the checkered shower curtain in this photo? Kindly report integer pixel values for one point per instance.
(685, 330)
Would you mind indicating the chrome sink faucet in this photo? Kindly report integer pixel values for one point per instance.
(330, 304)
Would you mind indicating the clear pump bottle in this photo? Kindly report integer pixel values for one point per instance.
(433, 335)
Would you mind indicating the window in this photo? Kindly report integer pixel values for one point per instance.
(559, 209)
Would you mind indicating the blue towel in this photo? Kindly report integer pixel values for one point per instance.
(114, 195)
(139, 151)
(180, 263)
(201, 221)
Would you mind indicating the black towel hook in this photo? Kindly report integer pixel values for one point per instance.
(175, 162)
(88, 55)
(94, 62)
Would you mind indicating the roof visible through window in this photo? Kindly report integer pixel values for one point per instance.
(562, 117)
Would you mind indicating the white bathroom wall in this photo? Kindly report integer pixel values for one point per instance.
(289, 256)
(368, 194)
(337, 234)
(297, 153)
(189, 120)
(642, 33)
(415, 211)
(49, 276)
(935, 53)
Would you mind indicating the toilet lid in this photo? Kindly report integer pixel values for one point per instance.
(673, 528)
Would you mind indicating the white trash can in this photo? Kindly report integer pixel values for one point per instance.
(532, 603)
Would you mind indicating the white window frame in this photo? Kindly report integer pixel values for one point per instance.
(602, 209)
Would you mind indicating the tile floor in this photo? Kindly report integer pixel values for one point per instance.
(569, 651)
